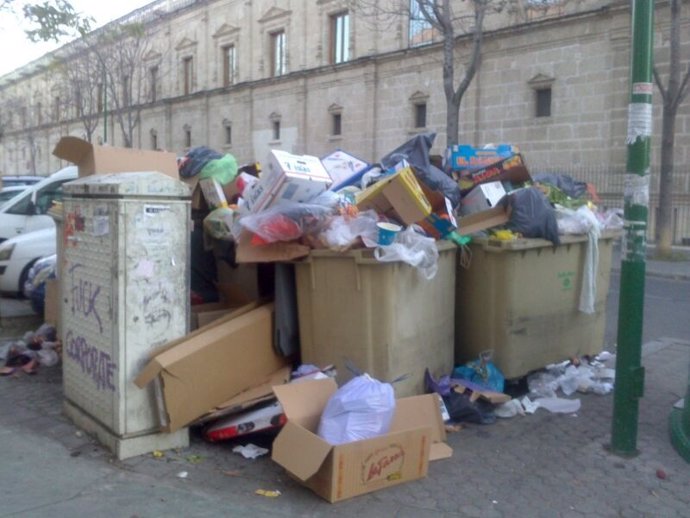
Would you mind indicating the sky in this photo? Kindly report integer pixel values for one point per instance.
(18, 50)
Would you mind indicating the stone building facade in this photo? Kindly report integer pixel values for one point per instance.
(245, 77)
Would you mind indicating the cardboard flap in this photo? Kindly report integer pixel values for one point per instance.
(440, 450)
(72, 149)
(290, 450)
(415, 411)
(303, 399)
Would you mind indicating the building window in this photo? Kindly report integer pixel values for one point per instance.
(187, 136)
(420, 30)
(543, 102)
(229, 65)
(276, 130)
(340, 38)
(420, 115)
(187, 75)
(153, 84)
(227, 127)
(337, 126)
(278, 53)
(154, 139)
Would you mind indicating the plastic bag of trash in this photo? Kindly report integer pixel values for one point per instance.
(412, 248)
(218, 224)
(344, 231)
(288, 221)
(35, 285)
(361, 409)
(483, 372)
(462, 409)
(532, 215)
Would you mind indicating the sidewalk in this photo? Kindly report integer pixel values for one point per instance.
(536, 465)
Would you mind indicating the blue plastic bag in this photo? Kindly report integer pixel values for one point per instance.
(483, 372)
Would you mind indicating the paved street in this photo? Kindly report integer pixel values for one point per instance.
(537, 465)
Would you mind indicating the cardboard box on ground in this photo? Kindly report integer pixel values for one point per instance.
(416, 436)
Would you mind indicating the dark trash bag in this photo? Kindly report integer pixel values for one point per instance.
(416, 152)
(463, 410)
(195, 159)
(532, 215)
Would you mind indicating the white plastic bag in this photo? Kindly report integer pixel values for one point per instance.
(414, 249)
(361, 409)
(344, 231)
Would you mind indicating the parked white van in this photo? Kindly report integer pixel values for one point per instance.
(28, 211)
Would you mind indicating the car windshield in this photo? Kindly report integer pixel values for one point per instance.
(8, 193)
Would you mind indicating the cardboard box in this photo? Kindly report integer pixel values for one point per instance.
(204, 369)
(399, 196)
(288, 178)
(94, 159)
(51, 301)
(482, 197)
(338, 472)
(344, 168)
(511, 169)
(279, 251)
(498, 215)
(462, 157)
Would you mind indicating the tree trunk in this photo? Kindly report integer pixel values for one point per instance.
(663, 234)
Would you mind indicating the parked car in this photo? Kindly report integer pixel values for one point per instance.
(28, 211)
(7, 193)
(18, 254)
(13, 180)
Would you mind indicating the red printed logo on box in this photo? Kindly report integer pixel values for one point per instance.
(384, 464)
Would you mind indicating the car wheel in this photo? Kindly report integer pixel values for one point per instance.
(23, 277)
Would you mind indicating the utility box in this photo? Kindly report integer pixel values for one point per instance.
(124, 284)
(521, 299)
(384, 318)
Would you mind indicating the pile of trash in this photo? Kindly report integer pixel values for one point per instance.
(474, 393)
(35, 349)
(398, 206)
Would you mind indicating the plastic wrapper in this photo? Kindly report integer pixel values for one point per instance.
(412, 248)
(287, 221)
(218, 224)
(361, 409)
(344, 231)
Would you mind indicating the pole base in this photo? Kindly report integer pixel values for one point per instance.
(620, 453)
(680, 438)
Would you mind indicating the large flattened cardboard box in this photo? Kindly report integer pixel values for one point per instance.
(94, 159)
(208, 367)
(520, 299)
(339, 472)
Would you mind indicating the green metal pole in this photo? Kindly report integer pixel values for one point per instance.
(629, 385)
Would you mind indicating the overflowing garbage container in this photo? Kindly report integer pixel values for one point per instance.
(382, 318)
(521, 299)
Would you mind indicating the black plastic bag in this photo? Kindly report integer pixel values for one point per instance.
(416, 152)
(463, 410)
(532, 215)
(567, 184)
